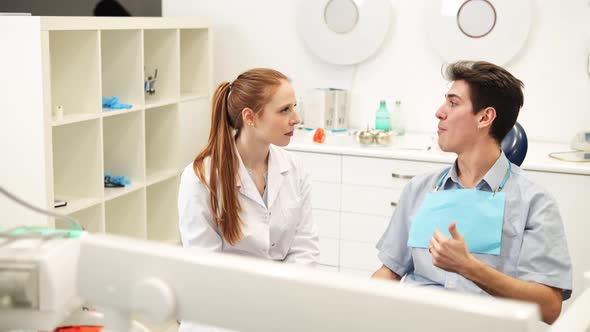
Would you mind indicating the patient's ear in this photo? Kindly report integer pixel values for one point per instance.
(486, 117)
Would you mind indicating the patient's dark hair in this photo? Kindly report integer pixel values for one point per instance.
(490, 86)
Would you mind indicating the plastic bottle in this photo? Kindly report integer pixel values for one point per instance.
(398, 119)
(59, 112)
(382, 117)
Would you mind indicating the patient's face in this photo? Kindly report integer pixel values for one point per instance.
(457, 126)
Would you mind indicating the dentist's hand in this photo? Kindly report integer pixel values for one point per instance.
(450, 254)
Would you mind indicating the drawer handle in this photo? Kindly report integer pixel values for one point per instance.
(401, 176)
(393, 204)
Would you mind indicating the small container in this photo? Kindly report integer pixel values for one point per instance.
(59, 112)
(365, 137)
(384, 137)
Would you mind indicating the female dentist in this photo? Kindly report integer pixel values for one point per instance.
(243, 194)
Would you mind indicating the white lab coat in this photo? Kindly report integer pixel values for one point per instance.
(284, 231)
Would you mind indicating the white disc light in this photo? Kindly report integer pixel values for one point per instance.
(344, 32)
(490, 30)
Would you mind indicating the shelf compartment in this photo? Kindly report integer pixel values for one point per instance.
(161, 135)
(195, 76)
(124, 151)
(77, 164)
(161, 102)
(162, 213)
(193, 128)
(112, 193)
(161, 51)
(125, 215)
(75, 204)
(75, 71)
(110, 112)
(160, 176)
(190, 96)
(122, 72)
(73, 118)
(90, 218)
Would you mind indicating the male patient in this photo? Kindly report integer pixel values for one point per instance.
(480, 226)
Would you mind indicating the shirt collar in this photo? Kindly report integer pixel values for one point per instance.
(491, 180)
(277, 164)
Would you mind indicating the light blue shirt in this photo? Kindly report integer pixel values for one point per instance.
(534, 246)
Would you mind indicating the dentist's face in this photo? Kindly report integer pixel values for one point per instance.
(457, 126)
(277, 122)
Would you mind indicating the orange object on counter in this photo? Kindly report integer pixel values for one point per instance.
(319, 136)
(79, 329)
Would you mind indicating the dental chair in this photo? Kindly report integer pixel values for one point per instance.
(515, 144)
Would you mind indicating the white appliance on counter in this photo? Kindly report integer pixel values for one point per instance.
(326, 108)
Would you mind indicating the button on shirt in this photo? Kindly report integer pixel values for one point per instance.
(533, 248)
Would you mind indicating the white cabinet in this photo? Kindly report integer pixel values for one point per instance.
(353, 199)
(325, 174)
(85, 59)
(369, 200)
(371, 188)
(378, 172)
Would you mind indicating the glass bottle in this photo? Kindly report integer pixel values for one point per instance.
(398, 119)
(382, 117)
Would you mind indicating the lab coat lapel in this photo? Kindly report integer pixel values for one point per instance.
(277, 170)
(246, 186)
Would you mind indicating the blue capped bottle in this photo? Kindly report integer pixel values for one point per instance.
(382, 117)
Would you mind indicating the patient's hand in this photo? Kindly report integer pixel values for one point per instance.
(450, 254)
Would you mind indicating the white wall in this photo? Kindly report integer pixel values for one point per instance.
(22, 146)
(552, 63)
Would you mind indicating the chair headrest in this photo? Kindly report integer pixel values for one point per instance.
(515, 144)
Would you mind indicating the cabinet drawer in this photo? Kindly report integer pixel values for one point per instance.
(329, 254)
(327, 221)
(325, 196)
(322, 167)
(391, 173)
(359, 255)
(362, 227)
(369, 200)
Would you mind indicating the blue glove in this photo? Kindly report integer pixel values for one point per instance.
(113, 103)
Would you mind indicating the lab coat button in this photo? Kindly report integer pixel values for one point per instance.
(273, 245)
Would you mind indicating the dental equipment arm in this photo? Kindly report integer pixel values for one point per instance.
(162, 282)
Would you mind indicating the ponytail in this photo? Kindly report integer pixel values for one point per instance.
(223, 168)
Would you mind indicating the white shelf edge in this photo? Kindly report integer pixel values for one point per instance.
(121, 23)
(112, 193)
(115, 112)
(75, 204)
(188, 96)
(161, 175)
(160, 103)
(74, 118)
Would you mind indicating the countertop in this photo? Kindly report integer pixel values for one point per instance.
(422, 147)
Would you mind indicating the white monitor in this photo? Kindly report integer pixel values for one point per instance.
(244, 294)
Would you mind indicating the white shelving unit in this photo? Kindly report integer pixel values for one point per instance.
(86, 58)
